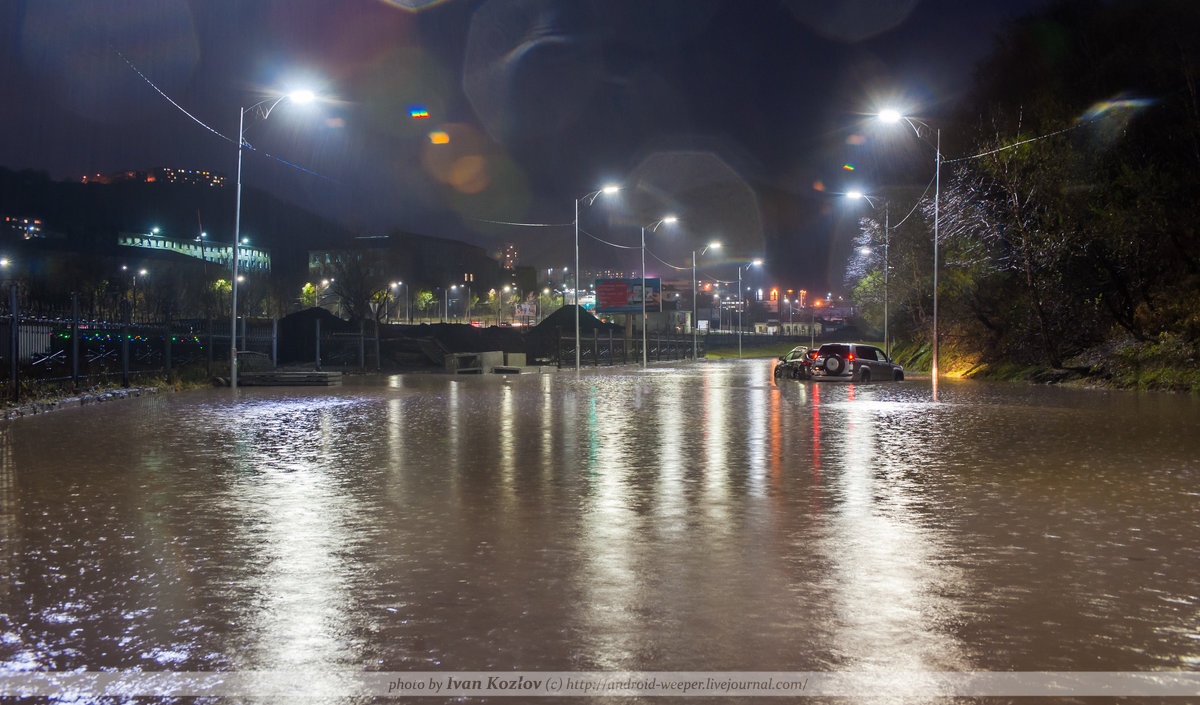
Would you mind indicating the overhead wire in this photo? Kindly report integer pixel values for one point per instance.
(211, 129)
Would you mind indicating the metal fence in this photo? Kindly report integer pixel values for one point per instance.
(77, 352)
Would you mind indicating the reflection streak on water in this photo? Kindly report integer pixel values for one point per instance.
(10, 544)
(673, 520)
(670, 504)
(610, 583)
(299, 527)
(888, 615)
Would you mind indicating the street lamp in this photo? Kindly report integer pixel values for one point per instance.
(296, 97)
(446, 307)
(407, 316)
(695, 348)
(590, 198)
(812, 325)
(741, 299)
(886, 227)
(653, 227)
(892, 116)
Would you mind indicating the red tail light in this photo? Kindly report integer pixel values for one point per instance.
(850, 356)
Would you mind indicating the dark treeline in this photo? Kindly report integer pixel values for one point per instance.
(1088, 235)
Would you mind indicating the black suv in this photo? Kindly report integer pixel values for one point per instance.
(854, 362)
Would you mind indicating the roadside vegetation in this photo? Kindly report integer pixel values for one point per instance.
(1067, 215)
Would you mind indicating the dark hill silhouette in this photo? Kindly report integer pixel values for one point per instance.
(89, 217)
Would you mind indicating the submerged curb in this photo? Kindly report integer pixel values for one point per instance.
(41, 407)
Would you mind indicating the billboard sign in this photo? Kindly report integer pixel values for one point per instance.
(625, 295)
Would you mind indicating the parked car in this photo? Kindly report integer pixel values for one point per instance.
(855, 362)
(796, 364)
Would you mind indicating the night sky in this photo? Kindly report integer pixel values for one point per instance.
(735, 115)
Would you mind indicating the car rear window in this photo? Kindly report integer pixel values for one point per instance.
(833, 349)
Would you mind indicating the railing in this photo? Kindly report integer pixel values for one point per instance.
(73, 351)
(607, 350)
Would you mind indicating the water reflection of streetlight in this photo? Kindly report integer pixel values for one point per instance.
(296, 97)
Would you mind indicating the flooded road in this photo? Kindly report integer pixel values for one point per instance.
(691, 518)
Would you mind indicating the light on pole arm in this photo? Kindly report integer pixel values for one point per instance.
(893, 116)
(741, 300)
(887, 348)
(695, 345)
(300, 96)
(653, 227)
(590, 199)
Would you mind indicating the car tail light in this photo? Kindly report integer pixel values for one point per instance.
(850, 356)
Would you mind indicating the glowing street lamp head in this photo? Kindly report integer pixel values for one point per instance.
(855, 194)
(756, 263)
(302, 96)
(670, 219)
(890, 115)
(610, 189)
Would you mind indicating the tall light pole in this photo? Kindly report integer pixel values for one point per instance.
(296, 97)
(741, 299)
(812, 325)
(653, 227)
(590, 198)
(859, 194)
(695, 347)
(446, 308)
(890, 116)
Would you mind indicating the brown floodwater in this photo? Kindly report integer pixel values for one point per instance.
(687, 518)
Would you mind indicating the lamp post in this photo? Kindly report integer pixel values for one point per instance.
(812, 325)
(296, 97)
(446, 307)
(695, 347)
(396, 285)
(886, 227)
(891, 116)
(741, 299)
(653, 227)
(590, 198)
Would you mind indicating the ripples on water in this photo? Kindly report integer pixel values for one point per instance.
(687, 518)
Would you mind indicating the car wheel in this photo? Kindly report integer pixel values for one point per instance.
(899, 376)
(864, 375)
(778, 371)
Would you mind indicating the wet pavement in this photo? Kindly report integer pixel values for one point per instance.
(684, 518)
